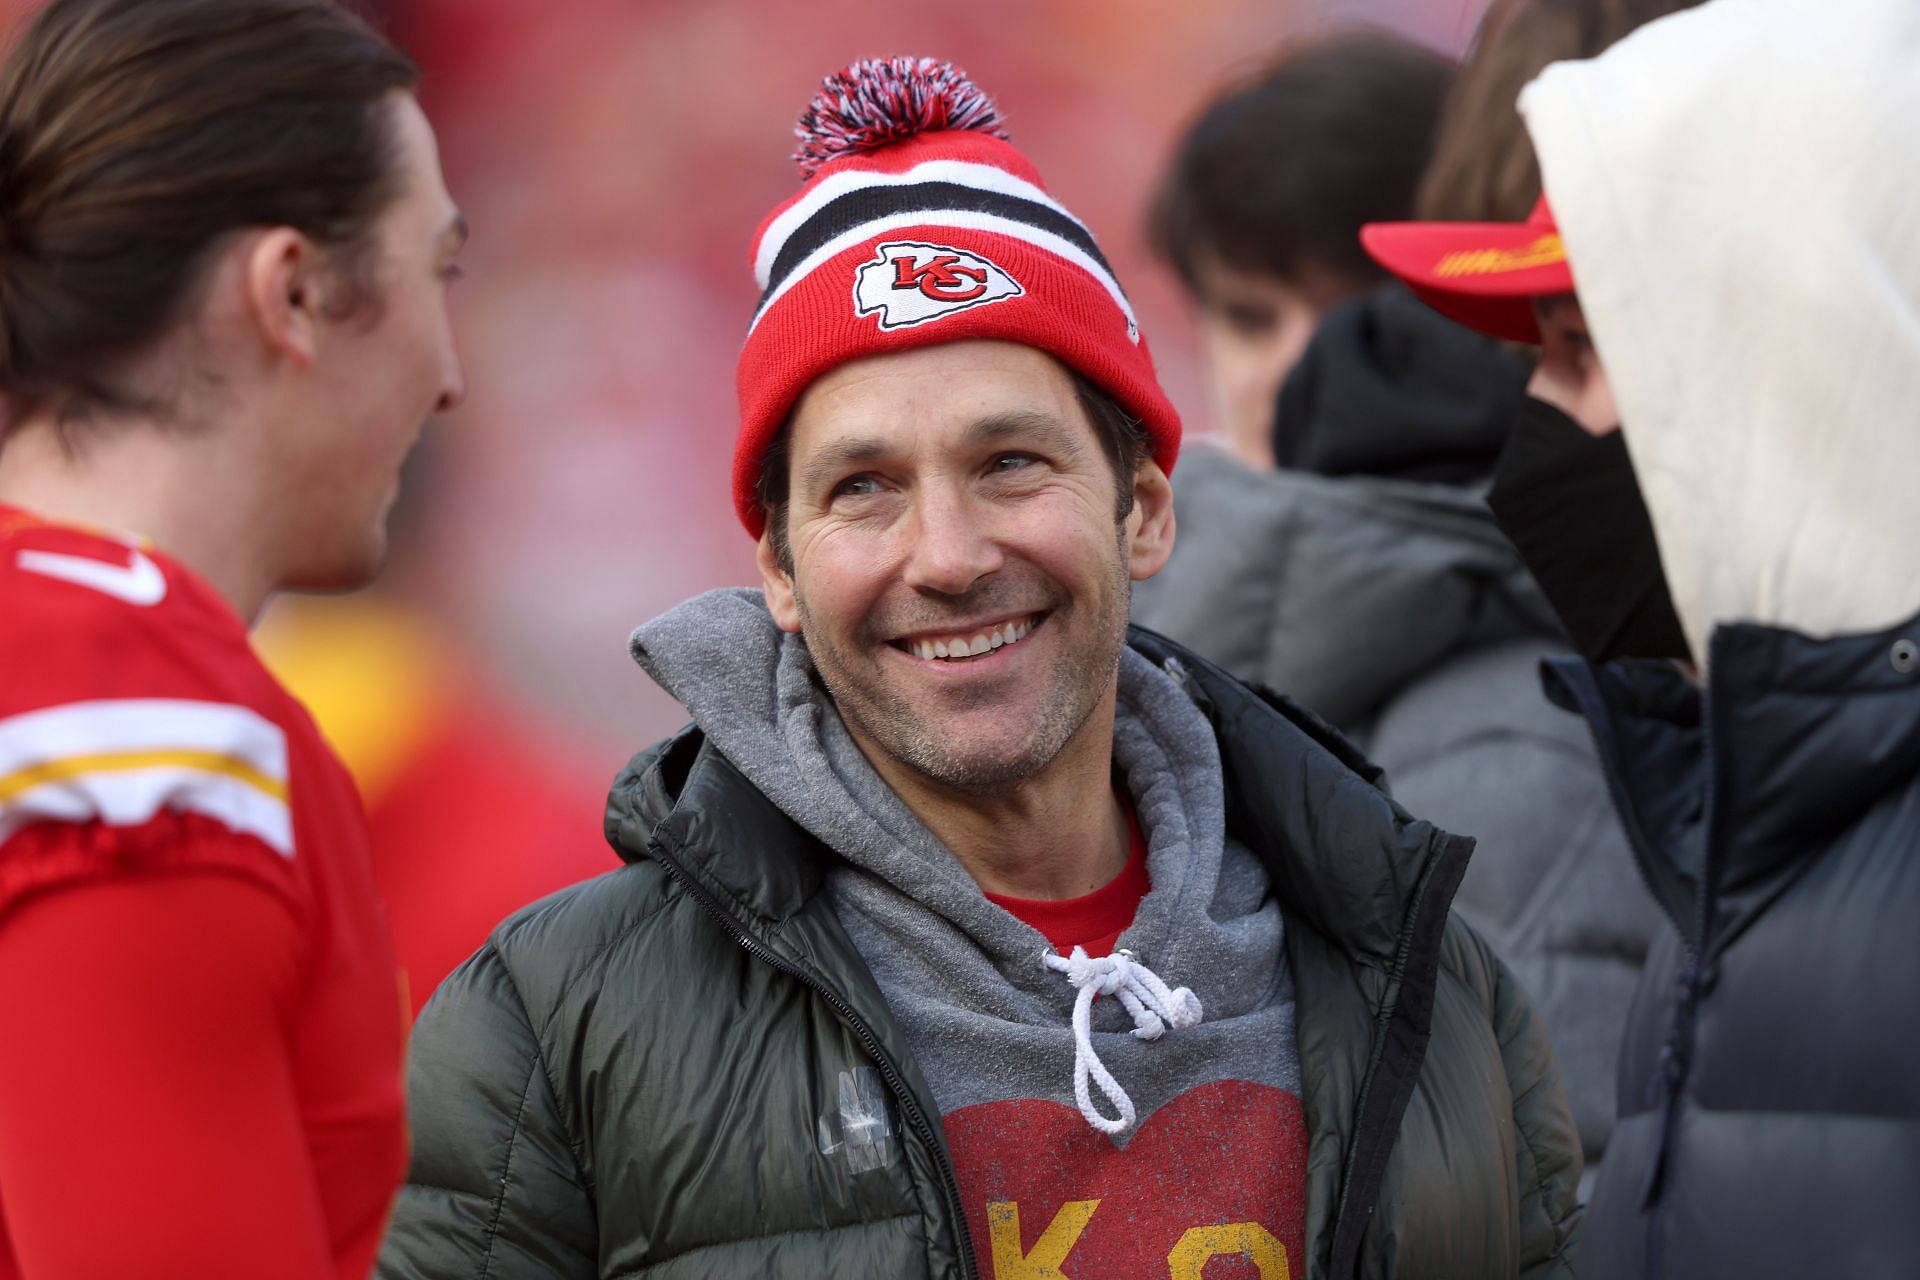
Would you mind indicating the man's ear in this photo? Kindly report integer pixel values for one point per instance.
(285, 285)
(1150, 523)
(777, 584)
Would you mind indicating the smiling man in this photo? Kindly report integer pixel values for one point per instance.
(964, 933)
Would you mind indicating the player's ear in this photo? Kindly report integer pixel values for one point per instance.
(777, 584)
(285, 282)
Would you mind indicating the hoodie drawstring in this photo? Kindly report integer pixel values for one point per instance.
(1155, 1008)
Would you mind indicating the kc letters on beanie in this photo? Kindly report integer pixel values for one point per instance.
(920, 223)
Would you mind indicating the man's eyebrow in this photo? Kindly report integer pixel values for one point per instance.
(1046, 429)
(828, 462)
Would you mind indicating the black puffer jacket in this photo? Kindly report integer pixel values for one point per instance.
(1770, 1088)
(631, 1077)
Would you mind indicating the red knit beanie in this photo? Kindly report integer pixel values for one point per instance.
(920, 223)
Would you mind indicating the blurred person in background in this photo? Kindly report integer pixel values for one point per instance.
(225, 245)
(1714, 483)
(1365, 577)
(1258, 209)
(838, 1016)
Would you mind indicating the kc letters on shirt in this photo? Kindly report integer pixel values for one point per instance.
(1207, 1186)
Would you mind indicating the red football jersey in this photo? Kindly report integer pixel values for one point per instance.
(139, 734)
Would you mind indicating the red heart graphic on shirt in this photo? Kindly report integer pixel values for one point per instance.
(1211, 1185)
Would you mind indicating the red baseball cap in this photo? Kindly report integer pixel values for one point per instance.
(1483, 274)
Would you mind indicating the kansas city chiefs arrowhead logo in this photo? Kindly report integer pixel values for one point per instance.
(910, 283)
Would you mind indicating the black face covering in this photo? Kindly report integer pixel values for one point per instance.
(1569, 501)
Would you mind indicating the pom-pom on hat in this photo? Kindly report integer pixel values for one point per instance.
(920, 223)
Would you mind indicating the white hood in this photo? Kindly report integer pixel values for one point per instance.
(1736, 188)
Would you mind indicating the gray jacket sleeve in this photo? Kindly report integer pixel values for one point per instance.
(495, 1189)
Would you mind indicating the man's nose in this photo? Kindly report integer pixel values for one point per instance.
(951, 543)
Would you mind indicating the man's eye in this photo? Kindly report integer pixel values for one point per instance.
(856, 487)
(1007, 463)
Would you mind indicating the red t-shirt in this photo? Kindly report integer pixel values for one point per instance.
(1096, 920)
(204, 1070)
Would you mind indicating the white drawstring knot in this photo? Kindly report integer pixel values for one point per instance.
(1155, 1008)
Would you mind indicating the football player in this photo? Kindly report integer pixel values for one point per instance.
(225, 244)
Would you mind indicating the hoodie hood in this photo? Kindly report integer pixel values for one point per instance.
(1338, 591)
(1388, 387)
(1732, 185)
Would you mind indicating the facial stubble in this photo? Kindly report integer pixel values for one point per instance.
(887, 719)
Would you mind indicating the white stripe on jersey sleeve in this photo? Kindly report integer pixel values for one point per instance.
(123, 761)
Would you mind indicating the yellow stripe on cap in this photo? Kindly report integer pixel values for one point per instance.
(1547, 251)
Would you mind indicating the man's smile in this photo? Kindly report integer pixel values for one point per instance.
(969, 642)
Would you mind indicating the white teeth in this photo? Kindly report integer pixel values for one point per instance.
(971, 646)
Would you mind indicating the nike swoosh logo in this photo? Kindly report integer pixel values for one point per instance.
(140, 583)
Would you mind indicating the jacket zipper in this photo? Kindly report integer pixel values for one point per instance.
(1677, 1051)
(1382, 1021)
(909, 1105)
(1671, 1066)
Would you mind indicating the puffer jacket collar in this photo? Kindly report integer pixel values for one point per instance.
(1290, 777)
(692, 799)
(1790, 743)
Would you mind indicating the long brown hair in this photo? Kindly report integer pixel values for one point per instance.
(1483, 167)
(135, 134)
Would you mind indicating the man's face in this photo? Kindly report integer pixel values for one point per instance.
(955, 500)
(381, 370)
(1255, 327)
(1570, 376)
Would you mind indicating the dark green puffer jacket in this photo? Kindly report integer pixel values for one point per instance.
(636, 1076)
